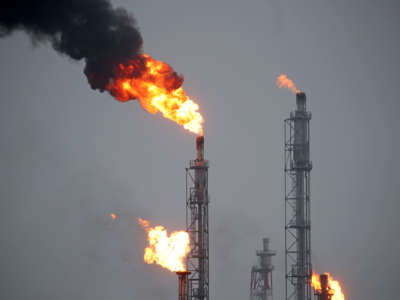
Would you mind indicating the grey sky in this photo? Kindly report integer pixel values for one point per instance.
(70, 155)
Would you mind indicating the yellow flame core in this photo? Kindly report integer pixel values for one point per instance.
(315, 283)
(284, 82)
(168, 251)
(335, 288)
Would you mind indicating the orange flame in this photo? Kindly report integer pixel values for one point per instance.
(284, 81)
(167, 251)
(315, 283)
(334, 285)
(158, 88)
(113, 216)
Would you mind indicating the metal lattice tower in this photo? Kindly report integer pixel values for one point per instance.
(261, 274)
(197, 224)
(297, 202)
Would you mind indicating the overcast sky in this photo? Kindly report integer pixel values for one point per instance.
(70, 156)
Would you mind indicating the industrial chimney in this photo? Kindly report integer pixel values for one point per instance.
(261, 274)
(183, 284)
(325, 292)
(297, 202)
(197, 224)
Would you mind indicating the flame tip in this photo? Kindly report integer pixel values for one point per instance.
(159, 89)
(283, 81)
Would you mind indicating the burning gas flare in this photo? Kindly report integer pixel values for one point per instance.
(158, 88)
(167, 251)
(336, 290)
(107, 38)
(284, 82)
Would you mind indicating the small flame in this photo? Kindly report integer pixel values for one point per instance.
(158, 88)
(113, 216)
(144, 223)
(315, 283)
(167, 251)
(334, 285)
(284, 82)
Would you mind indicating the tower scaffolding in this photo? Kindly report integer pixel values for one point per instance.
(297, 202)
(197, 224)
(261, 274)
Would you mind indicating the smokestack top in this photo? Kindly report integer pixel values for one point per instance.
(183, 273)
(265, 244)
(200, 147)
(200, 140)
(323, 278)
(301, 101)
(183, 284)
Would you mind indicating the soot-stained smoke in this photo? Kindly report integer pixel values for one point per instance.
(109, 42)
(89, 30)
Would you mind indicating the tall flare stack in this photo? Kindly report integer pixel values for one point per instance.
(297, 202)
(197, 224)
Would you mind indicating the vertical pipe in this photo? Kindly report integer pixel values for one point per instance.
(325, 289)
(261, 274)
(197, 224)
(297, 202)
(199, 184)
(266, 263)
(300, 160)
(183, 286)
(200, 147)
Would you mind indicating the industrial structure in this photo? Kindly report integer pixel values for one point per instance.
(298, 269)
(183, 284)
(325, 292)
(197, 224)
(261, 274)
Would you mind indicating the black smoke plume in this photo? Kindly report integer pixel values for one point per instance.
(91, 30)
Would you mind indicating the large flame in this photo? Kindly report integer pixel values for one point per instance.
(167, 251)
(334, 285)
(158, 88)
(284, 82)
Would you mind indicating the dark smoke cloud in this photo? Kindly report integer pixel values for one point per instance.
(91, 30)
